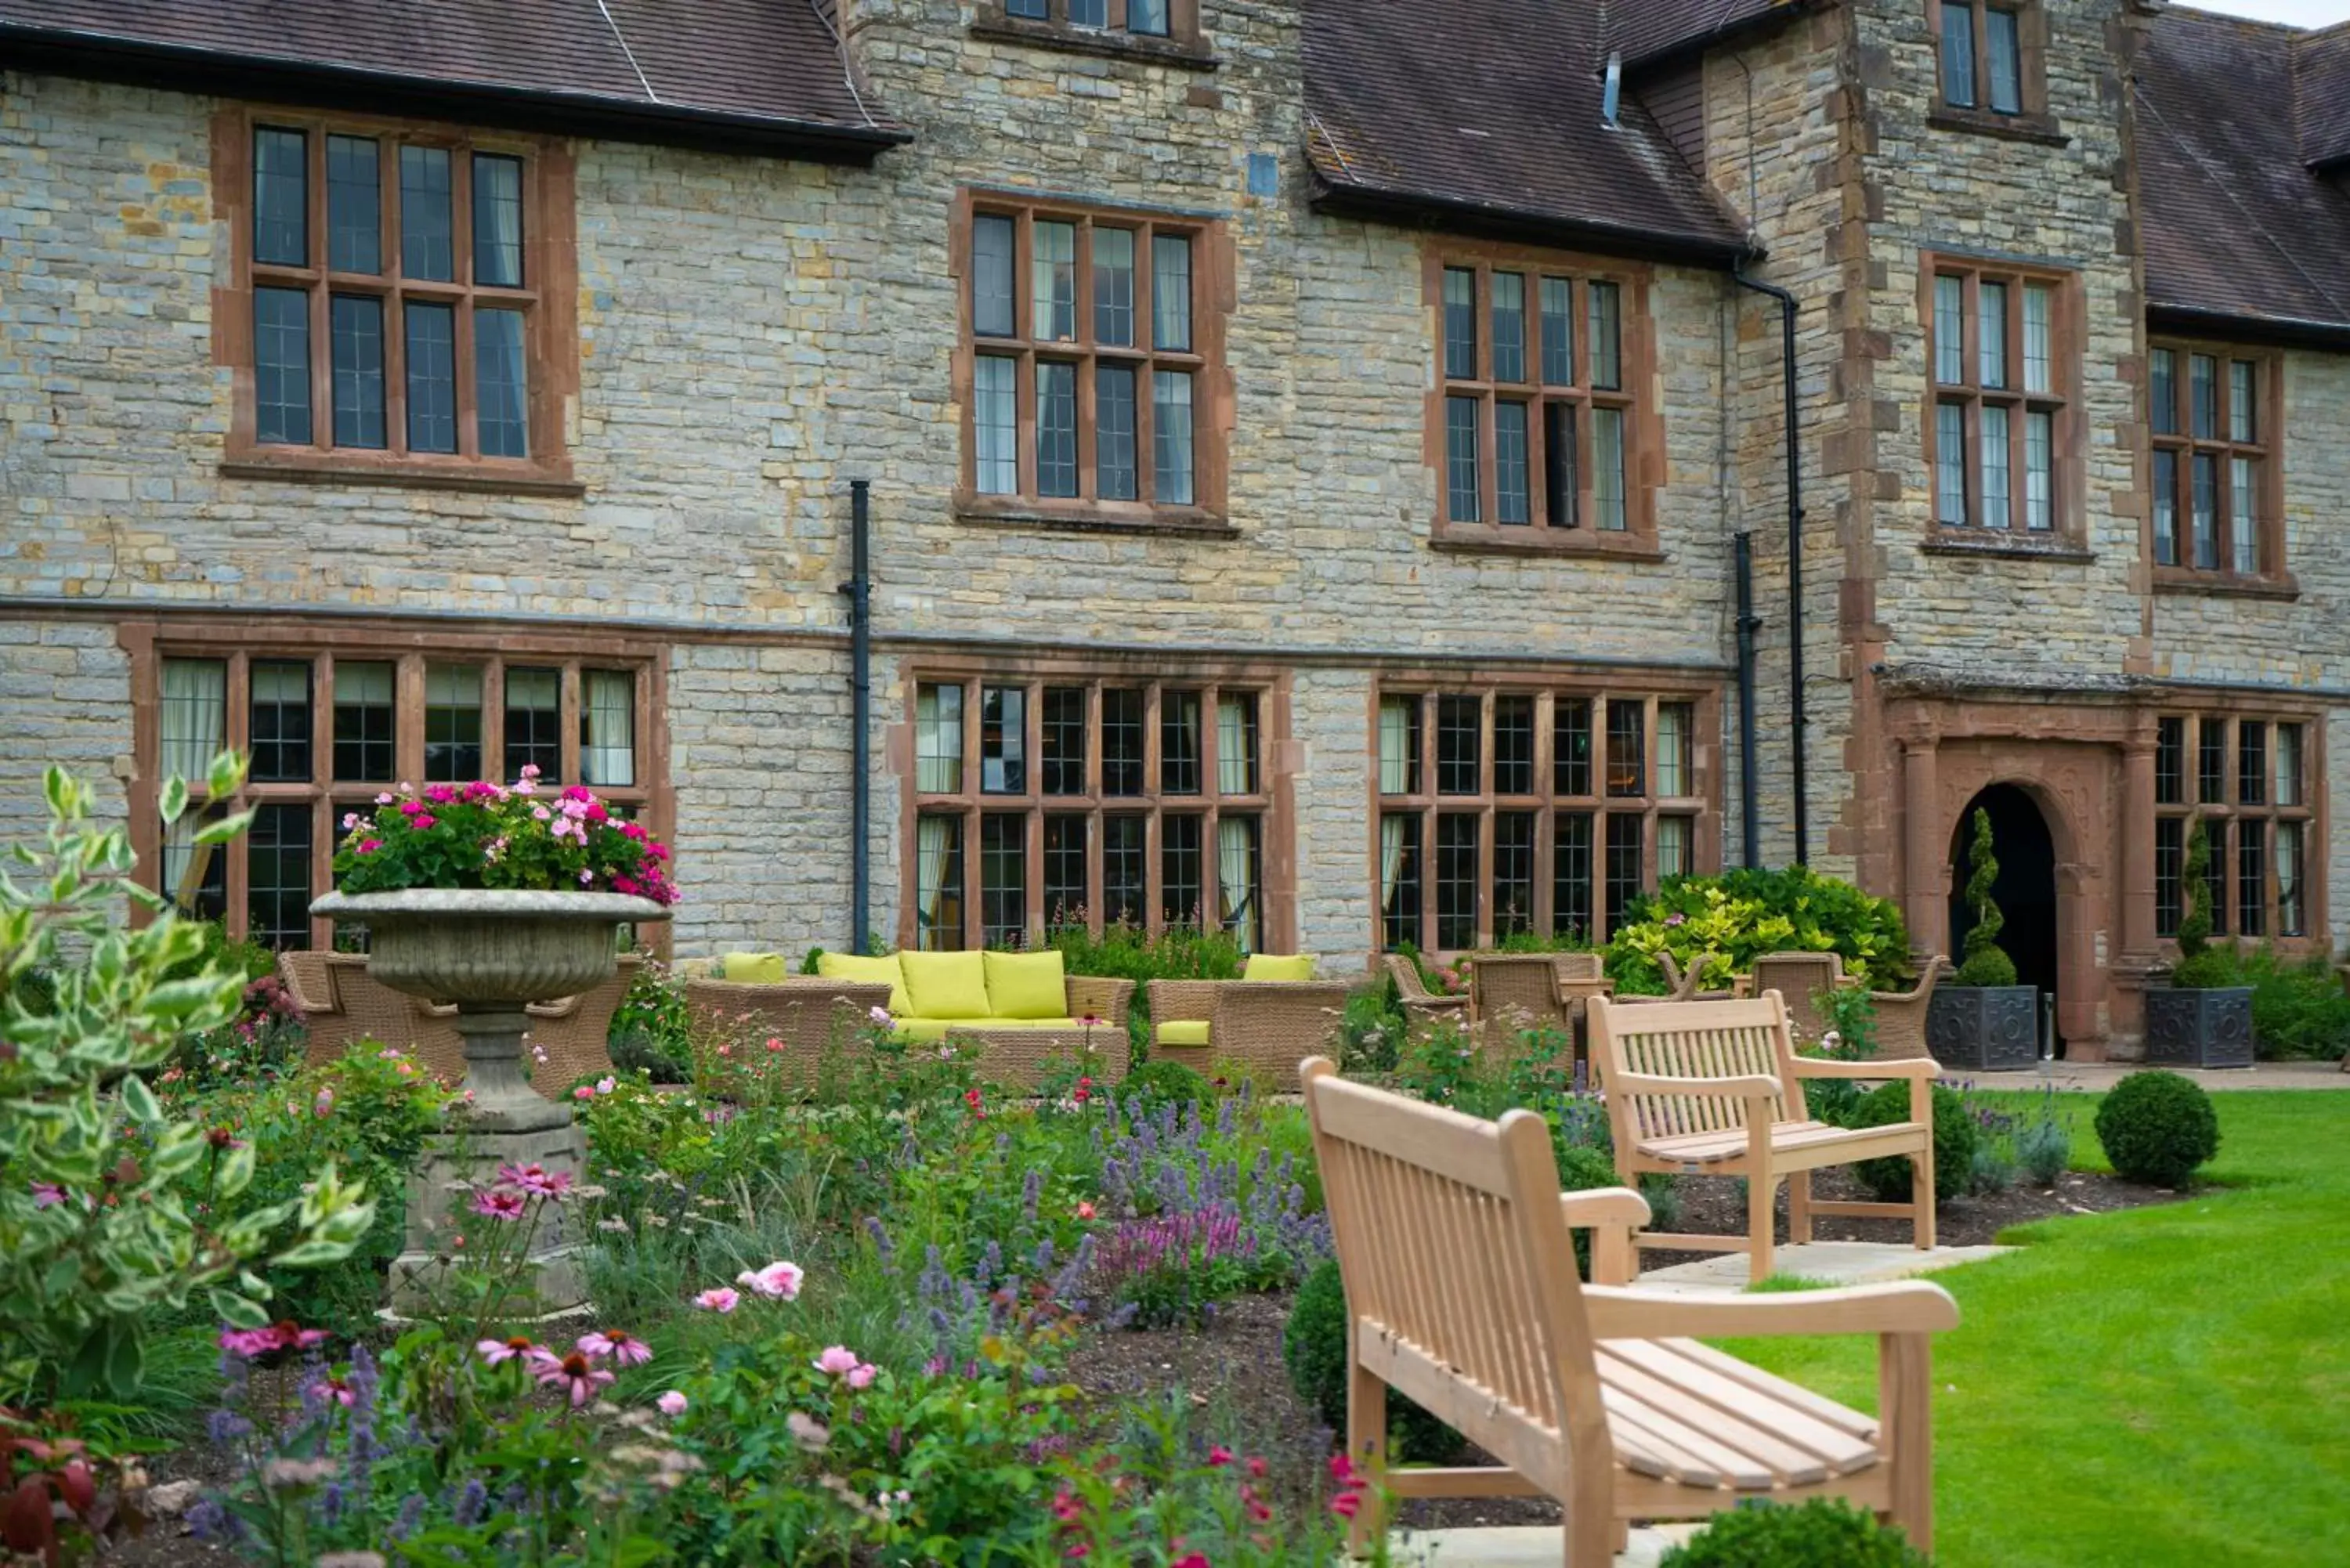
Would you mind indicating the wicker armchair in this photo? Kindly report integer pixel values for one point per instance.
(574, 1032)
(1267, 1025)
(1423, 1010)
(1901, 1015)
(344, 1005)
(1797, 977)
(1518, 991)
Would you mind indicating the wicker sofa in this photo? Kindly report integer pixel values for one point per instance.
(1267, 1025)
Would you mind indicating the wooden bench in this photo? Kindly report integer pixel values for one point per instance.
(1715, 1088)
(1461, 1293)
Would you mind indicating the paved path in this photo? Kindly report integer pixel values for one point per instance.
(1826, 1262)
(1524, 1546)
(2106, 1074)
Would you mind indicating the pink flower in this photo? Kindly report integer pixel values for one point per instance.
(439, 793)
(499, 1203)
(779, 1281)
(719, 1300)
(837, 1361)
(324, 1104)
(1085, 1210)
(606, 1085)
(497, 1352)
(280, 1336)
(369, 846)
(334, 1389)
(671, 1402)
(861, 1375)
(774, 1043)
(537, 1180)
(573, 1371)
(617, 1342)
(540, 813)
(45, 1193)
(1219, 1457)
(881, 1017)
(1346, 1504)
(583, 1093)
(350, 820)
(422, 819)
(585, 876)
(384, 799)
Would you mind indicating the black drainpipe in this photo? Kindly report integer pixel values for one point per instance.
(1750, 848)
(1795, 550)
(859, 589)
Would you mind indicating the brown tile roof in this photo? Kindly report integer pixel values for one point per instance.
(1493, 119)
(748, 70)
(2236, 226)
(1646, 30)
(2321, 63)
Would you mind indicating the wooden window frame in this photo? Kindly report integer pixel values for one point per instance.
(2034, 122)
(1701, 808)
(2068, 505)
(2222, 820)
(547, 298)
(1183, 44)
(1211, 392)
(1637, 398)
(2180, 447)
(1270, 803)
(239, 641)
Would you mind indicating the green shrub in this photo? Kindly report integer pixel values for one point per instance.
(1569, 941)
(1955, 1137)
(1984, 962)
(1155, 1083)
(2200, 966)
(1746, 912)
(1822, 1533)
(1314, 1346)
(1371, 1033)
(1125, 951)
(2157, 1128)
(2299, 1008)
(651, 1028)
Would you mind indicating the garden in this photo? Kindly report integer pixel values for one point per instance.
(896, 1312)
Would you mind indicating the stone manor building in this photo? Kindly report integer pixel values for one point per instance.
(1328, 460)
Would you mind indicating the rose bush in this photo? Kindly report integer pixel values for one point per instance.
(484, 835)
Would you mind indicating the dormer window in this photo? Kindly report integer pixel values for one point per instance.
(1164, 31)
(1990, 56)
(1149, 17)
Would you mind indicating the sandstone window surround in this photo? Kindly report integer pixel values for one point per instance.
(1516, 805)
(2000, 421)
(2215, 418)
(334, 716)
(398, 304)
(1045, 796)
(1164, 32)
(2255, 779)
(1991, 59)
(1542, 431)
(1091, 370)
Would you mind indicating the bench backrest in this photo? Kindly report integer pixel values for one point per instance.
(1459, 1271)
(1690, 1040)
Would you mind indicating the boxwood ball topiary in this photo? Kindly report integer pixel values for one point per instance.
(2157, 1128)
(1954, 1142)
(1313, 1345)
(1822, 1533)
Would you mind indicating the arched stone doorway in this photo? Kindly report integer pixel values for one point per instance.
(2025, 891)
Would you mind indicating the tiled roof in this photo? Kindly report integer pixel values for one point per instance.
(1643, 30)
(762, 67)
(1495, 117)
(2322, 73)
(2235, 224)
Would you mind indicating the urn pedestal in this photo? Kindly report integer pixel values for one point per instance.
(492, 952)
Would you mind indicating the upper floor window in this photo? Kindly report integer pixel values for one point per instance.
(1539, 431)
(1990, 56)
(1998, 435)
(399, 298)
(1091, 364)
(1153, 18)
(1163, 30)
(2211, 415)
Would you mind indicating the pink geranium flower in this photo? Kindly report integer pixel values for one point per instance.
(779, 1281)
(497, 1352)
(836, 1361)
(671, 1402)
(718, 1298)
(861, 1375)
(617, 1342)
(44, 1193)
(583, 1092)
(499, 1203)
(573, 1371)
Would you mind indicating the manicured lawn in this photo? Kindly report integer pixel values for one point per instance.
(2166, 1386)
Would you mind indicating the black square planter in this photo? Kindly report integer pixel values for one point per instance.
(2211, 1028)
(1984, 1028)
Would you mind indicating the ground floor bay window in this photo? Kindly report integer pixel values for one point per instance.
(332, 718)
(1503, 808)
(2249, 779)
(1053, 799)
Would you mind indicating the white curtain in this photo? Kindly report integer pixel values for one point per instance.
(1673, 749)
(1393, 830)
(194, 718)
(1395, 745)
(2290, 916)
(608, 740)
(937, 740)
(931, 834)
(1236, 745)
(1236, 878)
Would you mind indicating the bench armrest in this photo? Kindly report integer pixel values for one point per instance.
(1910, 1067)
(1598, 1206)
(1903, 1306)
(1747, 1086)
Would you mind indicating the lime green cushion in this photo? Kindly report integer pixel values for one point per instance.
(919, 1030)
(1183, 1032)
(752, 969)
(868, 971)
(945, 985)
(1025, 985)
(1279, 966)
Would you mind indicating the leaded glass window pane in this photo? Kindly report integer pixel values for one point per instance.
(1509, 326)
(1398, 745)
(365, 722)
(1951, 330)
(2038, 303)
(995, 421)
(1571, 873)
(1065, 871)
(1672, 847)
(1061, 740)
(1571, 746)
(1054, 263)
(2242, 423)
(1460, 496)
(2163, 395)
(1607, 494)
(607, 727)
(1624, 882)
(1557, 332)
(2170, 762)
(938, 883)
(1513, 745)
(497, 221)
(281, 366)
(354, 204)
(1607, 336)
(1171, 291)
(1676, 739)
(278, 718)
(533, 722)
(1994, 466)
(358, 323)
(194, 722)
(1170, 437)
(277, 871)
(1456, 881)
(1114, 468)
(2293, 913)
(1056, 429)
(2003, 54)
(2205, 469)
(1992, 332)
(431, 376)
(1123, 739)
(1460, 323)
(1627, 748)
(1003, 880)
(1514, 872)
(2039, 470)
(992, 251)
(2288, 764)
(1460, 735)
(1003, 740)
(1236, 743)
(1510, 502)
(938, 739)
(2243, 514)
(1126, 870)
(1178, 743)
(500, 390)
(453, 722)
(2203, 379)
(426, 236)
(2166, 508)
(1146, 16)
(1951, 463)
(281, 197)
(1958, 56)
(1179, 870)
(1562, 500)
(1113, 285)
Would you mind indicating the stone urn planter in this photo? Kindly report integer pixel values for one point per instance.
(2210, 1027)
(492, 952)
(1984, 1028)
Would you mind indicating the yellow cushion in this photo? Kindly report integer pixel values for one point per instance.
(868, 971)
(1183, 1032)
(945, 985)
(1279, 966)
(1025, 985)
(919, 1030)
(752, 969)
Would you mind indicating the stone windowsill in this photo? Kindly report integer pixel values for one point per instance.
(407, 475)
(1582, 544)
(2188, 581)
(1184, 54)
(2040, 129)
(1988, 543)
(1094, 517)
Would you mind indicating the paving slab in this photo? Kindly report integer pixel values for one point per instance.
(1829, 1262)
(1524, 1546)
(2095, 1075)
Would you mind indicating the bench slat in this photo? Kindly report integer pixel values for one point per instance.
(1817, 1405)
(1776, 1417)
(1784, 1461)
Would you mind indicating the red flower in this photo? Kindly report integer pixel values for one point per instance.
(1346, 1504)
(1220, 1456)
(1065, 1507)
(1256, 1467)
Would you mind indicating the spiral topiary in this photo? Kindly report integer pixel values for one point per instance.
(2200, 965)
(1985, 961)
